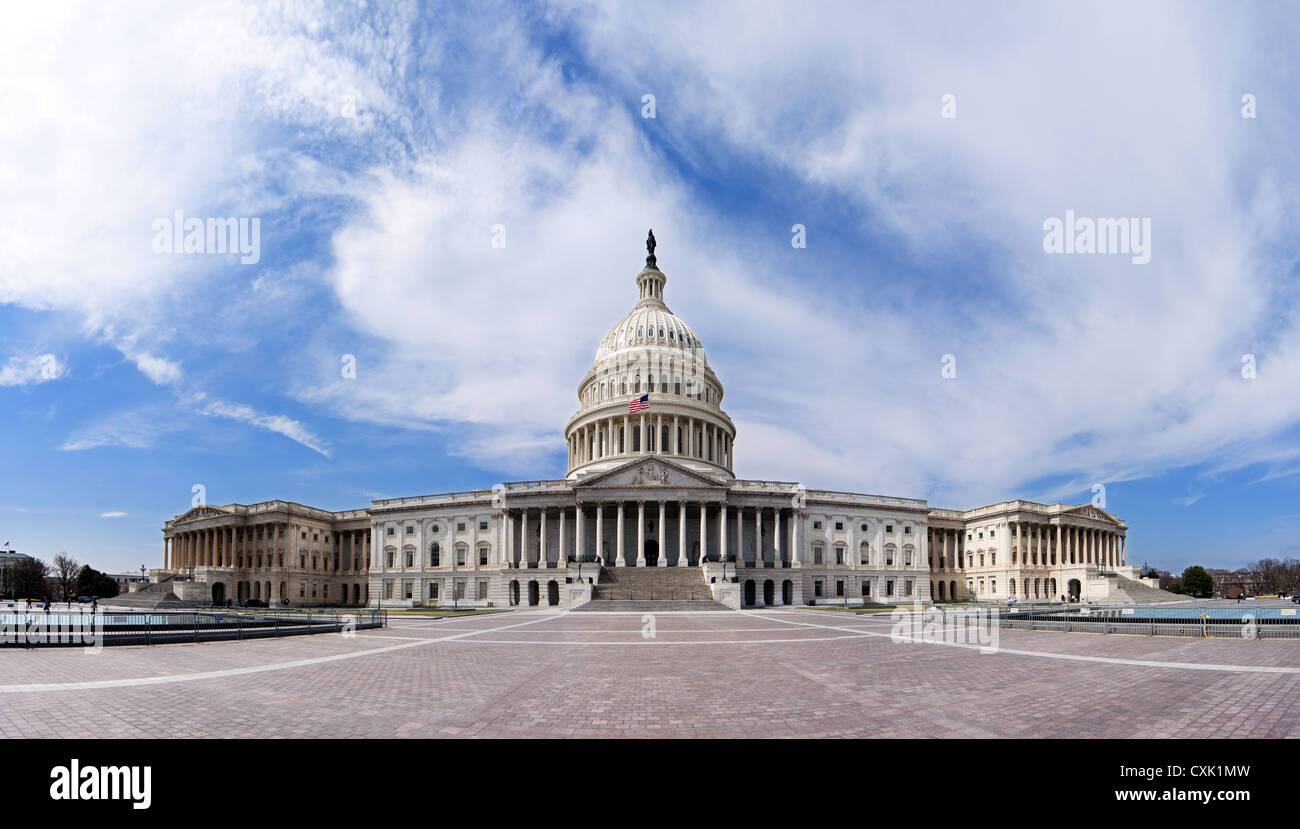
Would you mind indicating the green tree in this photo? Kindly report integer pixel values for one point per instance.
(1197, 582)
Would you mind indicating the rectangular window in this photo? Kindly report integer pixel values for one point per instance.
(433, 591)
(817, 525)
(817, 554)
(839, 588)
(866, 589)
(302, 590)
(889, 528)
(482, 556)
(482, 526)
(460, 556)
(410, 530)
(907, 558)
(907, 587)
(460, 527)
(889, 587)
(388, 589)
(460, 588)
(482, 591)
(907, 531)
(408, 589)
(390, 530)
(817, 588)
(839, 525)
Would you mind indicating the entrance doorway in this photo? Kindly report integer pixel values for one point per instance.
(552, 593)
(1075, 589)
(532, 594)
(749, 593)
(218, 594)
(769, 593)
(652, 553)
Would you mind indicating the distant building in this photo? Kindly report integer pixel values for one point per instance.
(9, 559)
(1241, 583)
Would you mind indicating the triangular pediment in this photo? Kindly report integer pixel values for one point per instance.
(649, 473)
(1093, 513)
(202, 511)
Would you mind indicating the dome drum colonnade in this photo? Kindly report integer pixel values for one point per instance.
(650, 352)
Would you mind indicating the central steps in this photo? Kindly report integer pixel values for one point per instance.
(651, 584)
(651, 589)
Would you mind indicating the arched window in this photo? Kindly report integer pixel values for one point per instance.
(864, 553)
(460, 554)
(435, 555)
(839, 553)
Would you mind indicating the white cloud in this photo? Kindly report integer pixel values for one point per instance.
(23, 371)
(280, 424)
(112, 515)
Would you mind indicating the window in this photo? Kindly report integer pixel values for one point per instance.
(302, 590)
(435, 555)
(864, 527)
(839, 588)
(388, 589)
(889, 556)
(460, 588)
(817, 525)
(839, 525)
(482, 591)
(407, 590)
(315, 537)
(839, 553)
(866, 588)
(482, 526)
(390, 530)
(460, 555)
(907, 587)
(992, 533)
(889, 587)
(907, 557)
(389, 555)
(817, 554)
(410, 530)
(460, 527)
(410, 558)
(864, 553)
(907, 531)
(434, 528)
(482, 556)
(889, 528)
(304, 535)
(433, 591)
(817, 588)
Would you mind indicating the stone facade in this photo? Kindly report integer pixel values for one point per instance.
(650, 483)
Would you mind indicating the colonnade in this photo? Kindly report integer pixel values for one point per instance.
(258, 546)
(649, 433)
(692, 531)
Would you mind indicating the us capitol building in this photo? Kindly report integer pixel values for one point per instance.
(650, 496)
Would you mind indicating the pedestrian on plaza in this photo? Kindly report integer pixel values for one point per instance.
(94, 606)
(47, 605)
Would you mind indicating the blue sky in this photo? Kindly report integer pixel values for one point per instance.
(378, 147)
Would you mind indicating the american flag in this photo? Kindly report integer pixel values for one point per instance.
(639, 405)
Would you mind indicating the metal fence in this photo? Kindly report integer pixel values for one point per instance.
(37, 628)
(1261, 623)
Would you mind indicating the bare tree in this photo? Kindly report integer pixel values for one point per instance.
(65, 570)
(29, 579)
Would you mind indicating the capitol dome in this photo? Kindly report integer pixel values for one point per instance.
(652, 354)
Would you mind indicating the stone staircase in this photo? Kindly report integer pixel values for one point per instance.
(651, 589)
(1127, 590)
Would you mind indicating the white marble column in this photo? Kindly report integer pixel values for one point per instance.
(776, 538)
(704, 531)
(523, 538)
(722, 532)
(662, 560)
(580, 533)
(600, 533)
(563, 556)
(682, 559)
(621, 561)
(796, 552)
(759, 559)
(640, 520)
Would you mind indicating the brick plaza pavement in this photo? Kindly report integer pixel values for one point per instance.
(777, 673)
